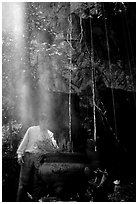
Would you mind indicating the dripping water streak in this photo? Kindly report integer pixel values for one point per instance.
(93, 83)
(70, 29)
(81, 34)
(108, 50)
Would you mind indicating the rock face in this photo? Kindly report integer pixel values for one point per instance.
(63, 38)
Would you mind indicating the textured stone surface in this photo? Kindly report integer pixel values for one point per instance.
(62, 46)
